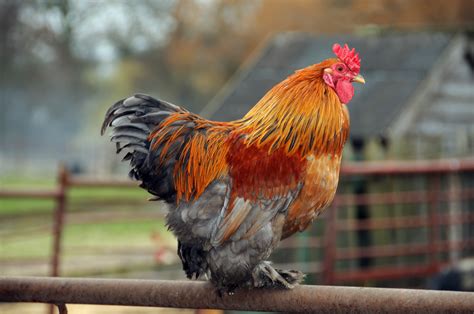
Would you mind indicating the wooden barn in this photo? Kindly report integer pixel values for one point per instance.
(418, 101)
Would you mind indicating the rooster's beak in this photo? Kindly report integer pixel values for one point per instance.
(359, 79)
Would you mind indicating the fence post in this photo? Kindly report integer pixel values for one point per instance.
(59, 210)
(330, 242)
(455, 227)
(434, 228)
(59, 219)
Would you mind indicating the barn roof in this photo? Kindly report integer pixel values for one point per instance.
(393, 65)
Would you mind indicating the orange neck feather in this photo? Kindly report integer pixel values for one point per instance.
(300, 114)
(297, 117)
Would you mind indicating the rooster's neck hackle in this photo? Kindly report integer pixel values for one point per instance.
(300, 115)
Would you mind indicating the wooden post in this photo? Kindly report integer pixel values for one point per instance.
(58, 227)
(59, 219)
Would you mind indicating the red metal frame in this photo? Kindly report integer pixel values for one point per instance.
(408, 167)
(434, 220)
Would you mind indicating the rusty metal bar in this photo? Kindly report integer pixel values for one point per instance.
(387, 273)
(330, 244)
(382, 250)
(434, 228)
(62, 309)
(454, 230)
(401, 249)
(58, 222)
(408, 167)
(399, 197)
(59, 212)
(311, 242)
(405, 222)
(187, 294)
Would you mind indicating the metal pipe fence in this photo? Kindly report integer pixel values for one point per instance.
(201, 295)
(432, 220)
(431, 196)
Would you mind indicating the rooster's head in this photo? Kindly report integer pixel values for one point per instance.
(343, 71)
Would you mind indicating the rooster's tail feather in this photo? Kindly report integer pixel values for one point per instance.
(132, 120)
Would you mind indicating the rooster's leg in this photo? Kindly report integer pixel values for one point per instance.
(264, 275)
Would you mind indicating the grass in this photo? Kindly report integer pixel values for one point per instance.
(135, 193)
(11, 206)
(121, 234)
(26, 206)
(25, 224)
(115, 234)
(11, 182)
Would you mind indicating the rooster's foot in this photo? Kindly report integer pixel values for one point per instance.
(264, 275)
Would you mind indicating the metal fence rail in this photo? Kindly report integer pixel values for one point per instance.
(201, 295)
(433, 253)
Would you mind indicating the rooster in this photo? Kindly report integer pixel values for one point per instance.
(235, 189)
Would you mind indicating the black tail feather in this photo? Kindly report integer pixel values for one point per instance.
(132, 120)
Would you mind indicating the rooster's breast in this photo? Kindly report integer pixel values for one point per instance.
(319, 186)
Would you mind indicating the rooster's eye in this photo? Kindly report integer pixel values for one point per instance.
(340, 68)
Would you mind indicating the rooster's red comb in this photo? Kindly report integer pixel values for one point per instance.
(348, 56)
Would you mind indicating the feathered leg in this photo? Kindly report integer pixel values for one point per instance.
(265, 276)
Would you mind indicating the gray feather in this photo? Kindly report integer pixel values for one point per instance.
(125, 138)
(133, 147)
(151, 118)
(130, 131)
(132, 101)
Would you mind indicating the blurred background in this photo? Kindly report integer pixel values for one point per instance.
(406, 219)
